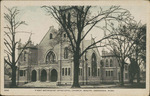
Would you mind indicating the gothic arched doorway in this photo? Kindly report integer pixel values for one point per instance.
(53, 75)
(43, 75)
(33, 75)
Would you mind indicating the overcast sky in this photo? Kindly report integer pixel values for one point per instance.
(39, 22)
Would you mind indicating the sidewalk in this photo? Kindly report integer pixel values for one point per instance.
(40, 85)
(99, 86)
(53, 85)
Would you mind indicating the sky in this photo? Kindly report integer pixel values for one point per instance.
(39, 22)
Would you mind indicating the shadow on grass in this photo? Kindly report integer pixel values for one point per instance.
(134, 85)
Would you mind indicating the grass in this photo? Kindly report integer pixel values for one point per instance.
(134, 85)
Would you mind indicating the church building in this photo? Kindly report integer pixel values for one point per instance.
(51, 61)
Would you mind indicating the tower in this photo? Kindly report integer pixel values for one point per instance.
(28, 58)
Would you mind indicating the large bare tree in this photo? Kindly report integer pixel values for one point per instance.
(138, 51)
(10, 42)
(128, 47)
(75, 19)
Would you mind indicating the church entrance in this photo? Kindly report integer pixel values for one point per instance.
(33, 75)
(53, 75)
(43, 75)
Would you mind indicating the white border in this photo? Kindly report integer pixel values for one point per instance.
(72, 92)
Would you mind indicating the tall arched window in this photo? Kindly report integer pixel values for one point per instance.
(50, 58)
(66, 53)
(107, 63)
(111, 63)
(94, 65)
(25, 55)
(51, 36)
(101, 63)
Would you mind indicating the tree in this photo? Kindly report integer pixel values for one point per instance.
(12, 24)
(138, 50)
(134, 69)
(75, 19)
(126, 46)
(120, 45)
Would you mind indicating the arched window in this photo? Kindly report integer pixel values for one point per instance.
(101, 63)
(89, 71)
(107, 63)
(64, 35)
(66, 53)
(98, 72)
(94, 65)
(51, 36)
(50, 58)
(126, 67)
(25, 55)
(63, 72)
(111, 63)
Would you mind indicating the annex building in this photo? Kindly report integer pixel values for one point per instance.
(51, 61)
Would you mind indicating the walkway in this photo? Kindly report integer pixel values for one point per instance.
(53, 85)
(40, 84)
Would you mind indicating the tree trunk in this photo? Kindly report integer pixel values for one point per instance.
(131, 78)
(138, 69)
(13, 85)
(138, 75)
(122, 75)
(76, 71)
(130, 74)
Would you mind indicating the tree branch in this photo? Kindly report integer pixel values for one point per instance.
(7, 62)
(96, 43)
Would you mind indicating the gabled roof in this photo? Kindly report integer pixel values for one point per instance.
(51, 30)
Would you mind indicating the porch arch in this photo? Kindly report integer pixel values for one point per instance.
(54, 75)
(34, 74)
(43, 75)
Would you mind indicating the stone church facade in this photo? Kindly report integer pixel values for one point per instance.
(51, 61)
